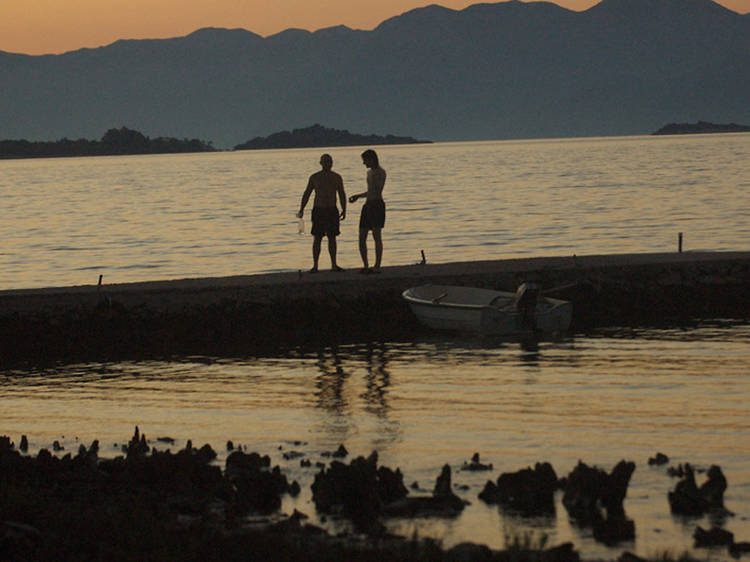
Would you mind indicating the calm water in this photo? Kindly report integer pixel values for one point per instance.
(597, 397)
(135, 218)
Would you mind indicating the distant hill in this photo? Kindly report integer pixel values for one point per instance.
(489, 71)
(701, 127)
(317, 135)
(114, 142)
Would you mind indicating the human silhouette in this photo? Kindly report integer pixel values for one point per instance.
(325, 215)
(372, 217)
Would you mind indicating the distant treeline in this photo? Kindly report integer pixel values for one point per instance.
(317, 135)
(701, 127)
(114, 142)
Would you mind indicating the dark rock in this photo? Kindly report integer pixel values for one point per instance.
(168, 440)
(659, 459)
(206, 453)
(24, 446)
(137, 446)
(291, 455)
(594, 498)
(590, 489)
(443, 483)
(475, 465)
(688, 499)
(358, 490)
(305, 463)
(299, 515)
(676, 472)
(5, 443)
(562, 553)
(613, 529)
(737, 549)
(469, 552)
(294, 489)
(391, 484)
(230, 446)
(340, 453)
(712, 490)
(57, 447)
(630, 557)
(44, 457)
(239, 461)
(257, 488)
(442, 503)
(712, 537)
(528, 491)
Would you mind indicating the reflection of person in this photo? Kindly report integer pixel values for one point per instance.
(325, 215)
(373, 211)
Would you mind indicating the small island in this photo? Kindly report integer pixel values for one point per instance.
(701, 127)
(114, 142)
(317, 135)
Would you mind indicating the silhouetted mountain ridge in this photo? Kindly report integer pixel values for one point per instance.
(489, 71)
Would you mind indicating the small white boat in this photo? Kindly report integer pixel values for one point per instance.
(470, 309)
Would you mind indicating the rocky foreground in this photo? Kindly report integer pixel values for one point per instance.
(157, 505)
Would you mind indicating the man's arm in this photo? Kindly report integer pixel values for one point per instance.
(305, 197)
(356, 196)
(342, 198)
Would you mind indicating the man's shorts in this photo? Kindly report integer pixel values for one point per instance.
(373, 215)
(325, 221)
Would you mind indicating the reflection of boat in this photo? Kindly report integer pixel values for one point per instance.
(470, 309)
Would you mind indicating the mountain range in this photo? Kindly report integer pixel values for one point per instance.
(489, 71)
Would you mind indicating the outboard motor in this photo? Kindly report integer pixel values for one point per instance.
(527, 296)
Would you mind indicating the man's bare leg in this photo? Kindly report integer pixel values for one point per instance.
(332, 252)
(316, 252)
(376, 235)
(363, 247)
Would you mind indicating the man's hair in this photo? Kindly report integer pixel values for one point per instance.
(326, 158)
(370, 154)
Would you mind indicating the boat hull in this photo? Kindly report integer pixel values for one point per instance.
(465, 309)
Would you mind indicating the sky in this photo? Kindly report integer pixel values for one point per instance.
(38, 27)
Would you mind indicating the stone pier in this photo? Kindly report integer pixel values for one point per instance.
(258, 314)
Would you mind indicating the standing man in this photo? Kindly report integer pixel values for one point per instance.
(325, 215)
(373, 211)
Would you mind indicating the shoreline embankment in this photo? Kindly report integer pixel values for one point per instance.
(260, 314)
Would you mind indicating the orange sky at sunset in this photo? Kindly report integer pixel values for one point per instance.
(56, 26)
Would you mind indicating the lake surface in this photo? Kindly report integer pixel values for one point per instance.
(597, 397)
(142, 218)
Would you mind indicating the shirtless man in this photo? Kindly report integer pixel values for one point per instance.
(325, 215)
(373, 211)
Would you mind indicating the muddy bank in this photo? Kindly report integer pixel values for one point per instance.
(261, 313)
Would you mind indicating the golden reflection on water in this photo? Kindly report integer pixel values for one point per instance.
(598, 398)
(155, 217)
